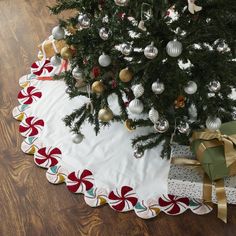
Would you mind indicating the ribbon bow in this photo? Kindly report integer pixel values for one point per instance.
(192, 7)
(218, 139)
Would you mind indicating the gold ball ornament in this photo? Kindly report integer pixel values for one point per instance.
(129, 124)
(66, 53)
(98, 87)
(126, 75)
(105, 115)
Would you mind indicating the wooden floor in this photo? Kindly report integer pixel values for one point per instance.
(29, 205)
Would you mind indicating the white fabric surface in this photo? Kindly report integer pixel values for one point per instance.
(109, 156)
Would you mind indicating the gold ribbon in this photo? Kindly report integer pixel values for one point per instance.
(215, 139)
(207, 187)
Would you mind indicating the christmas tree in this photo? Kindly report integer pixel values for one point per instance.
(170, 64)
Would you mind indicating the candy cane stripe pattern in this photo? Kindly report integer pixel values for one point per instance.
(47, 157)
(31, 126)
(80, 182)
(42, 68)
(28, 95)
(173, 205)
(123, 200)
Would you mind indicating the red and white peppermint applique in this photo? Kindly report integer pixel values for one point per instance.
(173, 205)
(123, 200)
(31, 126)
(28, 95)
(80, 182)
(42, 68)
(47, 157)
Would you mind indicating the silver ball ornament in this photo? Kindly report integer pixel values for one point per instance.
(55, 60)
(174, 48)
(213, 123)
(121, 2)
(84, 21)
(138, 90)
(158, 87)
(138, 153)
(104, 33)
(150, 51)
(136, 106)
(126, 49)
(104, 60)
(214, 86)
(162, 125)
(153, 115)
(190, 88)
(77, 73)
(183, 127)
(58, 33)
(78, 138)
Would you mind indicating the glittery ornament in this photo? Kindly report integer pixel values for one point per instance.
(104, 33)
(192, 111)
(138, 90)
(183, 127)
(190, 88)
(174, 48)
(77, 73)
(126, 49)
(162, 125)
(153, 115)
(84, 21)
(96, 72)
(136, 106)
(150, 51)
(214, 86)
(213, 123)
(158, 87)
(58, 33)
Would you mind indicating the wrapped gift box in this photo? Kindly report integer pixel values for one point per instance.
(187, 181)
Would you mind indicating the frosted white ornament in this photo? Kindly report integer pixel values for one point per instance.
(153, 115)
(136, 106)
(55, 60)
(190, 88)
(104, 33)
(77, 73)
(58, 33)
(121, 2)
(138, 90)
(150, 51)
(174, 48)
(158, 87)
(104, 60)
(126, 49)
(162, 125)
(84, 21)
(213, 123)
(77, 138)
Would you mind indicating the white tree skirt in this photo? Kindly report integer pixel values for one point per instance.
(102, 167)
